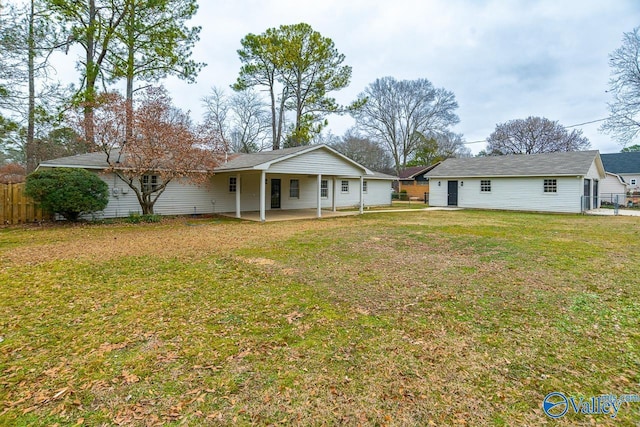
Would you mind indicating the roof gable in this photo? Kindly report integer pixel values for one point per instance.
(548, 164)
(413, 171)
(265, 159)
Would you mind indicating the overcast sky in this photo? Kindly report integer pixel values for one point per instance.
(503, 60)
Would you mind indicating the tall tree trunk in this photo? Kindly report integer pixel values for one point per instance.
(130, 12)
(275, 120)
(31, 152)
(92, 76)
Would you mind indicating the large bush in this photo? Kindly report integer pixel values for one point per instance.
(68, 192)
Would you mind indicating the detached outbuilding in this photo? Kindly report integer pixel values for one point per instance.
(551, 182)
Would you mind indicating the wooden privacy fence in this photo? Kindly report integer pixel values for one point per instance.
(16, 208)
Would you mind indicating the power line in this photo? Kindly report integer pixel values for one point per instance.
(587, 123)
(566, 127)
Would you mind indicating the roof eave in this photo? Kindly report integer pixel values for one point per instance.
(507, 176)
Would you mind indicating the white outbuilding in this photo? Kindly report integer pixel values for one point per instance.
(550, 182)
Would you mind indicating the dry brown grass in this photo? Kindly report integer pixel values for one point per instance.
(425, 318)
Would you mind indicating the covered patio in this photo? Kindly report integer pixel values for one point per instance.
(309, 181)
(290, 214)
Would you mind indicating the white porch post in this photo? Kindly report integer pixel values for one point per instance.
(263, 192)
(361, 194)
(334, 196)
(238, 186)
(319, 198)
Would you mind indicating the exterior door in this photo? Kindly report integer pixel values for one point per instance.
(275, 193)
(586, 200)
(452, 193)
(595, 194)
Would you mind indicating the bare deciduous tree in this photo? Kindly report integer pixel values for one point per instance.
(364, 151)
(241, 120)
(624, 120)
(399, 113)
(534, 135)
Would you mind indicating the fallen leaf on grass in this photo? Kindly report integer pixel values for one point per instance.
(293, 316)
(130, 378)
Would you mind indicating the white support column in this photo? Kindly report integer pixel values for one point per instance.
(334, 194)
(319, 198)
(263, 193)
(238, 186)
(361, 194)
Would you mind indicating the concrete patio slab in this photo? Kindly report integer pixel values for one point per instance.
(289, 215)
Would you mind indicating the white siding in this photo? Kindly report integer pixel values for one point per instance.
(316, 162)
(610, 187)
(378, 192)
(525, 194)
(628, 177)
(179, 198)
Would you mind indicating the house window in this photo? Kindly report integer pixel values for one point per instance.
(345, 186)
(324, 189)
(294, 189)
(150, 183)
(485, 185)
(233, 184)
(550, 185)
(633, 181)
(364, 186)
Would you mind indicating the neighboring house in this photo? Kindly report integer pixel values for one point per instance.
(414, 182)
(551, 182)
(613, 188)
(627, 165)
(313, 176)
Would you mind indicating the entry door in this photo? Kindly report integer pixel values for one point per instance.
(587, 194)
(595, 194)
(275, 193)
(452, 193)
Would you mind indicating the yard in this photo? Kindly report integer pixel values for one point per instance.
(413, 318)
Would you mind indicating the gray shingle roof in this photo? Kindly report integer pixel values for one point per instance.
(97, 160)
(247, 161)
(547, 164)
(621, 162)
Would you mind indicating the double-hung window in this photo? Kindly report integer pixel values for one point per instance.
(294, 189)
(150, 183)
(365, 186)
(345, 186)
(233, 184)
(324, 189)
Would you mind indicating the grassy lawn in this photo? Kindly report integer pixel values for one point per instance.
(413, 318)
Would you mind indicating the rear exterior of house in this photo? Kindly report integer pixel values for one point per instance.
(298, 178)
(551, 182)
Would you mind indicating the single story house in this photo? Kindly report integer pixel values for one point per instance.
(414, 182)
(550, 182)
(627, 166)
(314, 176)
